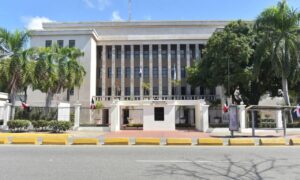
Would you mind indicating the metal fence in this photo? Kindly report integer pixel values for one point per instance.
(217, 118)
(42, 113)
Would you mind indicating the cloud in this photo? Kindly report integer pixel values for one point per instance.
(98, 4)
(35, 23)
(148, 18)
(116, 16)
(89, 3)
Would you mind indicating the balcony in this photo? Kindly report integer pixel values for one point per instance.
(155, 97)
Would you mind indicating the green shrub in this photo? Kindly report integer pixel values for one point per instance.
(40, 125)
(59, 126)
(18, 125)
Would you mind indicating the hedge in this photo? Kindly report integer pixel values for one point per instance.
(18, 125)
(40, 125)
(58, 126)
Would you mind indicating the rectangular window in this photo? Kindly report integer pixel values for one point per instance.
(99, 72)
(127, 54)
(146, 54)
(71, 92)
(118, 72)
(71, 43)
(118, 54)
(159, 114)
(60, 43)
(136, 72)
(165, 90)
(127, 91)
(202, 91)
(109, 91)
(155, 54)
(164, 72)
(99, 92)
(136, 91)
(183, 91)
(155, 72)
(48, 43)
(146, 92)
(146, 72)
(155, 90)
(183, 72)
(136, 54)
(109, 53)
(109, 72)
(127, 72)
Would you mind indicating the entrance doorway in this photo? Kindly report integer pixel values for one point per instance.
(185, 117)
(105, 116)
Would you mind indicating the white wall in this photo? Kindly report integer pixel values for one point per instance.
(168, 123)
(88, 88)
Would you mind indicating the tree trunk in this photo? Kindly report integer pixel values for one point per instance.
(49, 98)
(286, 97)
(12, 98)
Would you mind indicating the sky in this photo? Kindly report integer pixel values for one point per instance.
(29, 14)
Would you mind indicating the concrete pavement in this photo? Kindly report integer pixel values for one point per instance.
(122, 162)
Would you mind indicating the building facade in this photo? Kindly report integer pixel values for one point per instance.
(131, 61)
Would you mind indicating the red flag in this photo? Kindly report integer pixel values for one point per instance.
(93, 106)
(225, 108)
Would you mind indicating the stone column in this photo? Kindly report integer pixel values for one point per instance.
(159, 72)
(115, 116)
(103, 70)
(151, 71)
(7, 112)
(113, 70)
(242, 117)
(278, 116)
(141, 68)
(188, 64)
(202, 117)
(131, 72)
(197, 53)
(122, 71)
(77, 116)
(178, 69)
(169, 72)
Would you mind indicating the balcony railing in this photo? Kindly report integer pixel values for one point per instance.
(155, 97)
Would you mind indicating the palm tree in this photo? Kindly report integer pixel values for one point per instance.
(56, 70)
(15, 66)
(278, 28)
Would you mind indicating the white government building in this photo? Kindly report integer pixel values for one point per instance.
(137, 69)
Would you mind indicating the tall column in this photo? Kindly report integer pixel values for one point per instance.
(122, 71)
(178, 69)
(103, 70)
(197, 53)
(169, 71)
(159, 72)
(151, 71)
(113, 71)
(142, 69)
(131, 71)
(188, 64)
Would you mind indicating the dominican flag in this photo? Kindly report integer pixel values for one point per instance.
(24, 105)
(140, 72)
(174, 73)
(93, 105)
(225, 108)
(298, 110)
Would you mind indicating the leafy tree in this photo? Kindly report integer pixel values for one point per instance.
(278, 26)
(56, 70)
(228, 62)
(15, 69)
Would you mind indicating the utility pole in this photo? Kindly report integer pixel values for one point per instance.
(129, 10)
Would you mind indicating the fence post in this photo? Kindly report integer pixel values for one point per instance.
(242, 117)
(77, 116)
(279, 123)
(204, 123)
(7, 112)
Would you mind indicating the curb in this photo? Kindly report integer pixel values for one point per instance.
(24, 140)
(272, 142)
(116, 141)
(210, 142)
(147, 141)
(241, 142)
(54, 140)
(179, 141)
(85, 141)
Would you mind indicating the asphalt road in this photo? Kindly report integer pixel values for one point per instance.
(107, 162)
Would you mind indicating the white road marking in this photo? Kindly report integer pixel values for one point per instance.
(183, 161)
